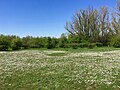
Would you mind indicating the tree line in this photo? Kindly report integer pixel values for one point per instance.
(13, 42)
(88, 28)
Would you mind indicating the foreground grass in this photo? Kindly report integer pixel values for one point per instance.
(60, 70)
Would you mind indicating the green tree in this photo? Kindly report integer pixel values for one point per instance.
(25, 42)
(49, 43)
(16, 44)
(4, 43)
(62, 41)
(54, 42)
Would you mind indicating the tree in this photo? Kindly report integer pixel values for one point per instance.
(4, 43)
(84, 24)
(74, 39)
(104, 26)
(25, 42)
(62, 41)
(49, 43)
(115, 39)
(91, 26)
(16, 44)
(34, 42)
(116, 19)
(54, 42)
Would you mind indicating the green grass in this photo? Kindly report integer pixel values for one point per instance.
(57, 54)
(74, 69)
(96, 49)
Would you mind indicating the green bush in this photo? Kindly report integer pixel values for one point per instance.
(115, 42)
(91, 45)
(3, 47)
(62, 41)
(83, 45)
(25, 42)
(99, 44)
(75, 45)
(106, 44)
(49, 43)
(16, 44)
(4, 43)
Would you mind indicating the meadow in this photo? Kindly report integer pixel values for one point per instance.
(93, 69)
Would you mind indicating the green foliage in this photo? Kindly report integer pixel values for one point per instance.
(74, 39)
(54, 42)
(4, 43)
(83, 45)
(91, 45)
(72, 45)
(25, 42)
(34, 43)
(116, 41)
(16, 44)
(99, 44)
(62, 41)
(49, 43)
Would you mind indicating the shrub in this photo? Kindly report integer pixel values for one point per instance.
(83, 45)
(106, 44)
(99, 44)
(16, 44)
(91, 45)
(49, 43)
(25, 42)
(62, 41)
(4, 43)
(75, 45)
(116, 44)
(3, 47)
(116, 41)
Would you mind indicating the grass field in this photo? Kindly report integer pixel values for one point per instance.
(93, 69)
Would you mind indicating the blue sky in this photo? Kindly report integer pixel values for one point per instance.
(41, 17)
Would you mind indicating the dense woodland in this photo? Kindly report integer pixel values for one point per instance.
(88, 28)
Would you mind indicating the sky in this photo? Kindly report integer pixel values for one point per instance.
(42, 17)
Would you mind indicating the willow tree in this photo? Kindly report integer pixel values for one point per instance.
(84, 24)
(116, 19)
(104, 25)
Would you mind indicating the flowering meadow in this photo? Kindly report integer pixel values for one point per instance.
(59, 70)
